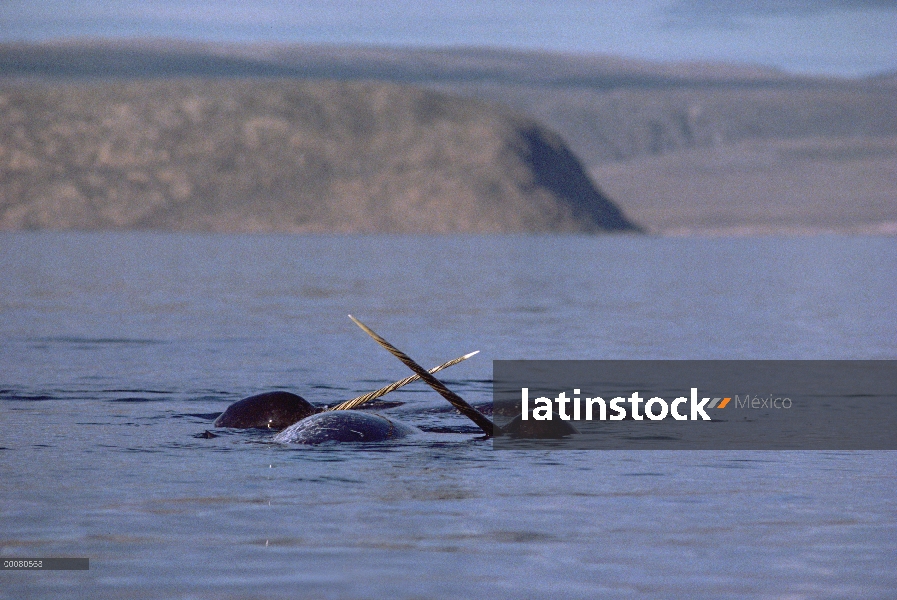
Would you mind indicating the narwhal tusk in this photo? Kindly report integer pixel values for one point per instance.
(355, 402)
(457, 401)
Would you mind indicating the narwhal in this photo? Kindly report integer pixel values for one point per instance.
(279, 410)
(303, 423)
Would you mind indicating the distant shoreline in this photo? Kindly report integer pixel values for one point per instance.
(681, 148)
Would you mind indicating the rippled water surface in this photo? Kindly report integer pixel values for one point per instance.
(117, 350)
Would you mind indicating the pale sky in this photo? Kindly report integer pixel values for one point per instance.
(841, 37)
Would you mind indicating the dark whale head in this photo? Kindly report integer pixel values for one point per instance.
(273, 410)
(343, 426)
(553, 429)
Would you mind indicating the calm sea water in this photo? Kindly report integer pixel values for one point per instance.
(117, 349)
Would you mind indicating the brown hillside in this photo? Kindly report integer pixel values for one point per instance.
(282, 155)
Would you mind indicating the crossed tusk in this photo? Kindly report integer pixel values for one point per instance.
(454, 399)
(355, 402)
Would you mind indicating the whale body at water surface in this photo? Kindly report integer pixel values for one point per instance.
(343, 426)
(303, 423)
